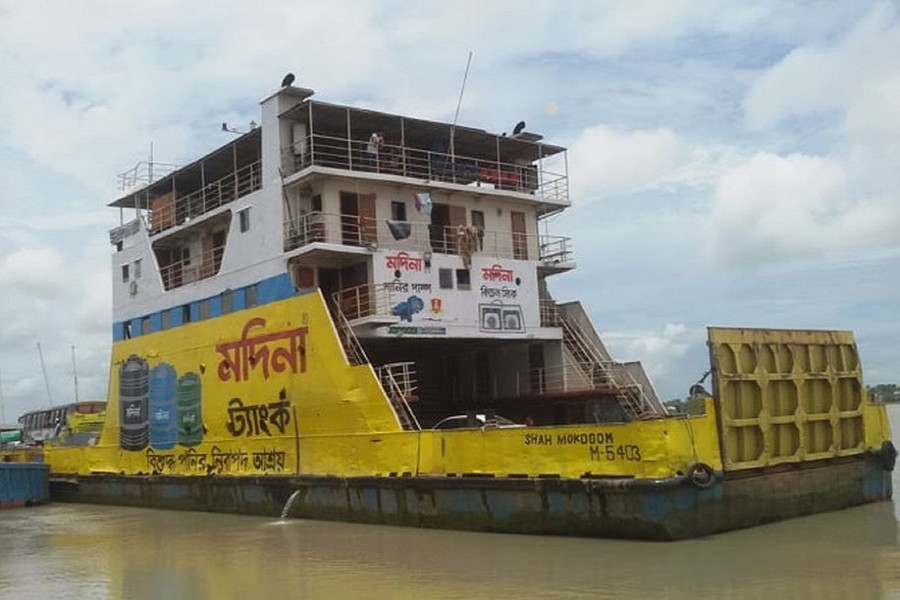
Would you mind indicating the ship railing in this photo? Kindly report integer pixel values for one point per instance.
(418, 236)
(190, 270)
(143, 174)
(399, 383)
(578, 376)
(356, 355)
(549, 313)
(170, 210)
(366, 300)
(427, 165)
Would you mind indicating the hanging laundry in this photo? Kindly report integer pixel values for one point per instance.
(399, 229)
(423, 203)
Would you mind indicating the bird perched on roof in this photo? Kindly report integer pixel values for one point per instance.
(288, 80)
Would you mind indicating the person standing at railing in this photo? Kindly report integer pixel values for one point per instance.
(372, 148)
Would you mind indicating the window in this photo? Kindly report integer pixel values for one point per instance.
(165, 319)
(204, 309)
(317, 203)
(186, 313)
(463, 281)
(244, 216)
(398, 211)
(137, 269)
(125, 273)
(445, 278)
(227, 302)
(251, 296)
(119, 245)
(145, 325)
(126, 330)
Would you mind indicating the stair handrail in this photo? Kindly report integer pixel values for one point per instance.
(397, 394)
(350, 343)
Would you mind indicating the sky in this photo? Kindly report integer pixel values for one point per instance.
(730, 164)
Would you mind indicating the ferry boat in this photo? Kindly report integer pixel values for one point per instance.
(347, 314)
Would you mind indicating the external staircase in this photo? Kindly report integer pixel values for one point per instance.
(398, 380)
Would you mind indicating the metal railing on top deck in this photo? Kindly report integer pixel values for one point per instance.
(352, 230)
(170, 210)
(352, 155)
(366, 300)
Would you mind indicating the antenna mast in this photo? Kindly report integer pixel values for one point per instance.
(44, 371)
(462, 89)
(74, 373)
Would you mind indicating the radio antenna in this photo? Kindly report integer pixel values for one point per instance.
(44, 371)
(74, 373)
(462, 89)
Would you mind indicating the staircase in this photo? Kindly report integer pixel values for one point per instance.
(397, 379)
(602, 372)
(399, 383)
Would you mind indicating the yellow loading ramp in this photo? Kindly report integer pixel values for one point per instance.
(786, 396)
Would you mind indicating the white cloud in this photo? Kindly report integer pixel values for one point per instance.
(33, 271)
(668, 355)
(857, 78)
(775, 207)
(604, 160)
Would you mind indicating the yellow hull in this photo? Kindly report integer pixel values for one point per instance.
(278, 396)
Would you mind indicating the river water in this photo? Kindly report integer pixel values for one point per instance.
(82, 551)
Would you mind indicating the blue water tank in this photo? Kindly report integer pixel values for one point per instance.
(163, 412)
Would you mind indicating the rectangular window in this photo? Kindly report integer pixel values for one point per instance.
(126, 330)
(186, 313)
(125, 273)
(244, 216)
(398, 211)
(445, 278)
(204, 309)
(251, 296)
(227, 302)
(119, 245)
(317, 203)
(165, 319)
(137, 269)
(145, 325)
(478, 219)
(463, 279)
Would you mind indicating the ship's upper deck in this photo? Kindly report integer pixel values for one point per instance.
(314, 136)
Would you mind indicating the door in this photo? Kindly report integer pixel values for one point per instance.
(329, 284)
(354, 291)
(440, 220)
(519, 238)
(537, 376)
(368, 226)
(350, 233)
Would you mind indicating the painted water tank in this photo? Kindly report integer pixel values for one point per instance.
(189, 420)
(133, 404)
(163, 412)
